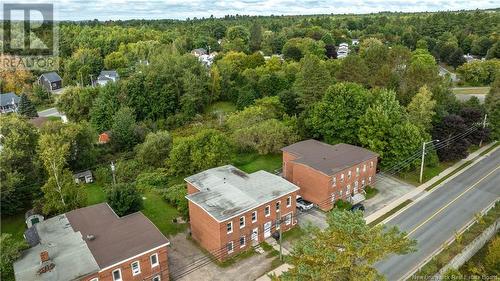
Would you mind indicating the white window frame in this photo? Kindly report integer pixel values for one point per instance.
(244, 241)
(348, 189)
(357, 171)
(278, 206)
(244, 220)
(151, 260)
(94, 279)
(334, 181)
(113, 274)
(289, 201)
(232, 247)
(156, 278)
(349, 174)
(332, 197)
(363, 183)
(341, 193)
(288, 219)
(371, 164)
(364, 167)
(230, 224)
(267, 211)
(138, 267)
(254, 213)
(342, 177)
(369, 180)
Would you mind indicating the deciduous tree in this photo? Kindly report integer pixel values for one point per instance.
(124, 199)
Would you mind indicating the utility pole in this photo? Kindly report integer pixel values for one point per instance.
(281, 233)
(423, 158)
(484, 126)
(113, 169)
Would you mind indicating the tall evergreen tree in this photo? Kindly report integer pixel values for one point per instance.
(255, 37)
(312, 81)
(26, 108)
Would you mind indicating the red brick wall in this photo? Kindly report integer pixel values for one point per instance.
(191, 189)
(147, 273)
(288, 165)
(313, 184)
(213, 235)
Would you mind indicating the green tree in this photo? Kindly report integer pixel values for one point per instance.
(492, 258)
(176, 196)
(255, 37)
(341, 107)
(116, 60)
(421, 109)
(83, 64)
(20, 168)
(104, 107)
(11, 251)
(353, 69)
(26, 108)
(312, 81)
(346, 250)
(492, 103)
(76, 102)
(124, 199)
(155, 149)
(494, 51)
(123, 128)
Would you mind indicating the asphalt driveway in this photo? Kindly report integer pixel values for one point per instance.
(389, 189)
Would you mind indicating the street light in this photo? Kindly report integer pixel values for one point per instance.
(423, 157)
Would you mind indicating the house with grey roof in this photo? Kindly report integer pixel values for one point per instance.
(93, 243)
(326, 173)
(231, 210)
(9, 102)
(107, 76)
(51, 81)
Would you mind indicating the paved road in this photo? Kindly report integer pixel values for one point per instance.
(435, 218)
(466, 97)
(49, 112)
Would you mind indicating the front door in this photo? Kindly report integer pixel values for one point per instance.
(255, 236)
(267, 229)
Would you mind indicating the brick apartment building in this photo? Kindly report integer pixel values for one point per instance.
(231, 210)
(326, 173)
(94, 244)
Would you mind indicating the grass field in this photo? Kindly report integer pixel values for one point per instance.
(161, 214)
(95, 194)
(251, 162)
(429, 172)
(14, 225)
(471, 90)
(223, 106)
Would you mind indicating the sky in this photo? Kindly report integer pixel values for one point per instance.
(182, 9)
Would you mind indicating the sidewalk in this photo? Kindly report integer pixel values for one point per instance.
(417, 192)
(420, 190)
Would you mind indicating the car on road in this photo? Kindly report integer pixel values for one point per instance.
(358, 207)
(303, 205)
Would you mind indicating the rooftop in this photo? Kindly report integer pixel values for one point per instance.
(52, 76)
(225, 192)
(8, 98)
(65, 246)
(115, 238)
(329, 159)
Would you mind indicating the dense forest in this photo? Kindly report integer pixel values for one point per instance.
(280, 76)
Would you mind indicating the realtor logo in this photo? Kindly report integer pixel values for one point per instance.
(29, 36)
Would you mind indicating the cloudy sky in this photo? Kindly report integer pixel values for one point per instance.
(182, 9)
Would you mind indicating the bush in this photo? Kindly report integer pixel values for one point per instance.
(124, 199)
(157, 179)
(103, 175)
(343, 205)
(175, 195)
(370, 191)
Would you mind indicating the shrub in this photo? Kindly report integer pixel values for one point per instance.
(175, 195)
(157, 179)
(124, 199)
(343, 205)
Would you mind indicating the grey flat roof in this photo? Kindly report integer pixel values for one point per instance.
(6, 99)
(52, 76)
(67, 250)
(82, 174)
(225, 192)
(327, 158)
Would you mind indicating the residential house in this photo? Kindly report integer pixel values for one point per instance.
(104, 137)
(9, 102)
(51, 81)
(83, 177)
(231, 211)
(342, 50)
(199, 52)
(326, 173)
(107, 76)
(355, 42)
(94, 244)
(32, 217)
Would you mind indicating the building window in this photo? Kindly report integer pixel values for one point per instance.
(369, 180)
(229, 227)
(117, 275)
(341, 193)
(229, 247)
(136, 268)
(278, 204)
(289, 201)
(357, 171)
(242, 241)
(334, 181)
(333, 197)
(348, 189)
(349, 174)
(342, 177)
(94, 279)
(156, 278)
(242, 222)
(267, 211)
(154, 260)
(363, 183)
(364, 168)
(254, 216)
(288, 219)
(371, 164)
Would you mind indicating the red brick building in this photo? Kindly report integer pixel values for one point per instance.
(230, 210)
(326, 173)
(94, 244)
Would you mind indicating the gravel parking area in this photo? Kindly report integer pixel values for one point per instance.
(185, 256)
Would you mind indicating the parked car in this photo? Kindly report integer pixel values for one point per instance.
(303, 205)
(358, 207)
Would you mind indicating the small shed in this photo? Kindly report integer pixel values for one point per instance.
(32, 217)
(83, 177)
(104, 137)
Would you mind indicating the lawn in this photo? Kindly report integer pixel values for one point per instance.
(95, 194)
(471, 90)
(161, 214)
(14, 225)
(251, 162)
(429, 172)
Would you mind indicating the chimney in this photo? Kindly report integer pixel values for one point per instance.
(44, 256)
